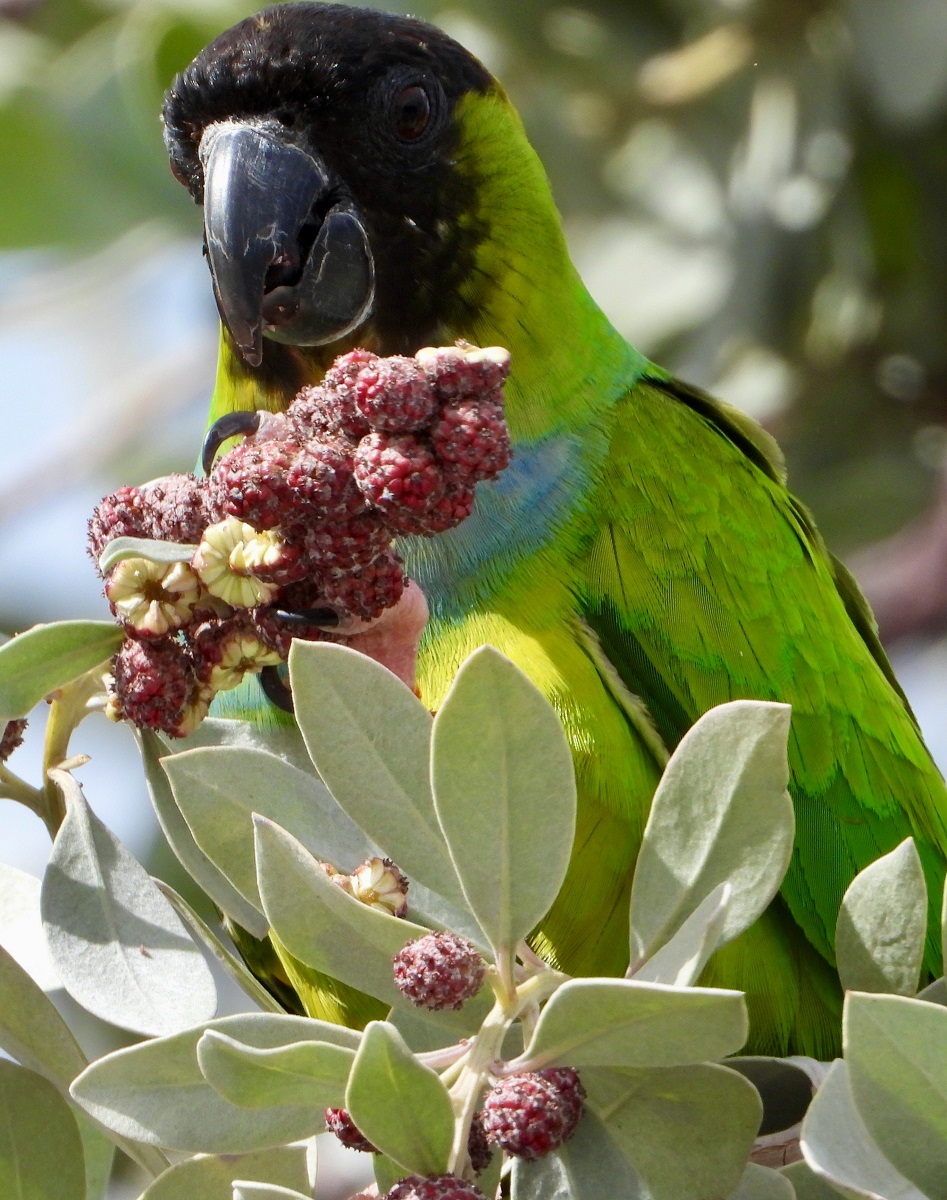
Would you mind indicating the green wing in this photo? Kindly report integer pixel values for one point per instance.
(707, 582)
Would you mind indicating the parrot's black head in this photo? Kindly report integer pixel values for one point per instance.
(324, 143)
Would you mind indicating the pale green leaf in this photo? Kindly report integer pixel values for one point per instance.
(839, 1148)
(332, 932)
(370, 739)
(21, 926)
(895, 1049)
(118, 549)
(210, 1177)
(680, 960)
(399, 1104)
(271, 737)
(217, 790)
(809, 1186)
(504, 791)
(387, 1173)
(47, 657)
(174, 827)
(423, 1035)
(686, 1130)
(118, 946)
(98, 1152)
(300, 1073)
(721, 813)
(40, 1147)
(235, 967)
(761, 1183)
(882, 924)
(935, 993)
(244, 1189)
(624, 1023)
(31, 1030)
(589, 1166)
(155, 1092)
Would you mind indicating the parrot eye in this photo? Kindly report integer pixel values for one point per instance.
(411, 112)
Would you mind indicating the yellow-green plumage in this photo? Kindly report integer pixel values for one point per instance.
(642, 561)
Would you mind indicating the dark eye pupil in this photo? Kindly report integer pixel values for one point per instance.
(412, 111)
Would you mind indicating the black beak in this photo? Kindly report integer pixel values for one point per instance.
(287, 250)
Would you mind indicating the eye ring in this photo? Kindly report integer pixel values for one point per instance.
(411, 112)
(412, 108)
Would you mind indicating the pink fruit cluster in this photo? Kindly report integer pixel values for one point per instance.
(296, 519)
(439, 970)
(531, 1113)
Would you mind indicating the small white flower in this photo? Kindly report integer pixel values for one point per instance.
(228, 554)
(153, 598)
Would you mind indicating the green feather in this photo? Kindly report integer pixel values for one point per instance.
(642, 561)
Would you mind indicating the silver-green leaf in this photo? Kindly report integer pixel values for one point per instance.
(174, 827)
(31, 1029)
(882, 924)
(589, 1166)
(210, 1177)
(809, 1186)
(47, 657)
(155, 1092)
(721, 813)
(686, 1130)
(762, 1183)
(246, 1189)
(299, 1073)
(893, 1048)
(334, 933)
(505, 795)
(624, 1023)
(399, 1104)
(40, 1147)
(370, 739)
(838, 1147)
(117, 944)
(218, 789)
(118, 549)
(680, 960)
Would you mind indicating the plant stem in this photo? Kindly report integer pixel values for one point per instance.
(484, 1050)
(15, 788)
(68, 707)
(483, 1053)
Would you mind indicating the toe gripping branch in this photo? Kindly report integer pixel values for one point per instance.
(230, 425)
(276, 689)
(274, 686)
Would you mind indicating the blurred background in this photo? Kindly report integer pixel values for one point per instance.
(754, 190)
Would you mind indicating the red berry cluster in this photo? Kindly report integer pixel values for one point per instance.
(434, 1187)
(296, 519)
(529, 1114)
(341, 1124)
(12, 737)
(439, 970)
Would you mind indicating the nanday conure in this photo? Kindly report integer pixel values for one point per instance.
(366, 182)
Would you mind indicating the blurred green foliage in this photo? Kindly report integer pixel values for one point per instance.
(754, 189)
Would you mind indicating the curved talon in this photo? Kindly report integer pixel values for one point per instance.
(228, 426)
(323, 618)
(275, 688)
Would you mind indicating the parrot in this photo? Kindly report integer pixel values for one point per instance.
(366, 182)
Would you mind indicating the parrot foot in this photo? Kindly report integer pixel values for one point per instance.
(229, 425)
(321, 618)
(391, 639)
(276, 689)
